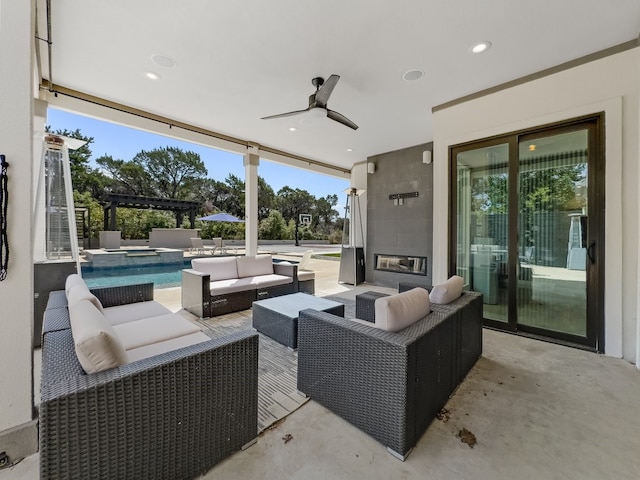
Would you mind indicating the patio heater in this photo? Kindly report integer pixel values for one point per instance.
(55, 242)
(352, 267)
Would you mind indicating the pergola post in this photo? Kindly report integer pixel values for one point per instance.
(112, 222)
(105, 222)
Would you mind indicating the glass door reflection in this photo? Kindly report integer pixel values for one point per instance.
(483, 225)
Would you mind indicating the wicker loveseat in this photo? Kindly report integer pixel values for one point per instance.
(215, 286)
(389, 384)
(168, 416)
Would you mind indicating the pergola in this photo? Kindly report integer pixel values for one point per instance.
(112, 201)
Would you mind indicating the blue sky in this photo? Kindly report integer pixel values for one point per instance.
(124, 143)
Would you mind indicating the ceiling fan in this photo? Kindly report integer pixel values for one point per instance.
(318, 102)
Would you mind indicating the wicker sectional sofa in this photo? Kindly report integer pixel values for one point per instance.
(219, 285)
(388, 384)
(166, 416)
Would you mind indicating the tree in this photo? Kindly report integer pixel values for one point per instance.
(273, 227)
(126, 177)
(292, 202)
(324, 213)
(233, 202)
(266, 198)
(173, 172)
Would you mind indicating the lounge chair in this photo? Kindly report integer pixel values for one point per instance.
(219, 242)
(306, 276)
(198, 246)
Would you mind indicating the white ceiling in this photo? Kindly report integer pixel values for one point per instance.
(238, 61)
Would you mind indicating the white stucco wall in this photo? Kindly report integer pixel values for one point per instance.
(609, 85)
(16, 291)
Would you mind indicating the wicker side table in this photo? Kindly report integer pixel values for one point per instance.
(365, 305)
(405, 286)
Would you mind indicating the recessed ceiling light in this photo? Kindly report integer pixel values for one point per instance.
(413, 75)
(480, 47)
(349, 149)
(292, 129)
(152, 76)
(163, 60)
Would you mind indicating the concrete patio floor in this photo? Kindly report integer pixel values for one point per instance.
(537, 411)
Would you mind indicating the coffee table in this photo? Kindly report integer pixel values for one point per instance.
(277, 317)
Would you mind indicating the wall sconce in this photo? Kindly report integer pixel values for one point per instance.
(371, 168)
(426, 157)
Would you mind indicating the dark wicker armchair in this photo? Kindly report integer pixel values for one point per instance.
(389, 385)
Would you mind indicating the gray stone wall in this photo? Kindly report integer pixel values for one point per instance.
(403, 229)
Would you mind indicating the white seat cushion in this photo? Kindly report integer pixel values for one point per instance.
(97, 345)
(153, 330)
(252, 266)
(220, 268)
(304, 275)
(222, 287)
(264, 281)
(134, 311)
(166, 346)
(395, 312)
(448, 291)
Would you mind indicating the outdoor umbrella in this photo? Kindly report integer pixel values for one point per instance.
(221, 217)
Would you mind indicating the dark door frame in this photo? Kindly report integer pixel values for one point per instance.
(594, 339)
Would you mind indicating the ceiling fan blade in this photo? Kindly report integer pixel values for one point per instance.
(323, 94)
(288, 114)
(338, 117)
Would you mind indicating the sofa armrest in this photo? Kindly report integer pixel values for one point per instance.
(287, 270)
(123, 295)
(158, 409)
(196, 292)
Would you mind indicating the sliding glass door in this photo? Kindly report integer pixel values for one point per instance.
(528, 230)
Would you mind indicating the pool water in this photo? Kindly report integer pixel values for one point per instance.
(162, 276)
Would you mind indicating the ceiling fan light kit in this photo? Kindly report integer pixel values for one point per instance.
(318, 103)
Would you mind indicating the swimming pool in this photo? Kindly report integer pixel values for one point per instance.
(162, 276)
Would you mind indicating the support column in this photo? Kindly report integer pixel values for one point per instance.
(251, 163)
(18, 427)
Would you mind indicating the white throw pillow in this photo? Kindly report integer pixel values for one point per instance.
(254, 266)
(222, 268)
(97, 346)
(395, 312)
(448, 291)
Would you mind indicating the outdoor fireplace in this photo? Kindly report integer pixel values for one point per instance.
(413, 265)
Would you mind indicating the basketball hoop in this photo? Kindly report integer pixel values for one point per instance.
(305, 219)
